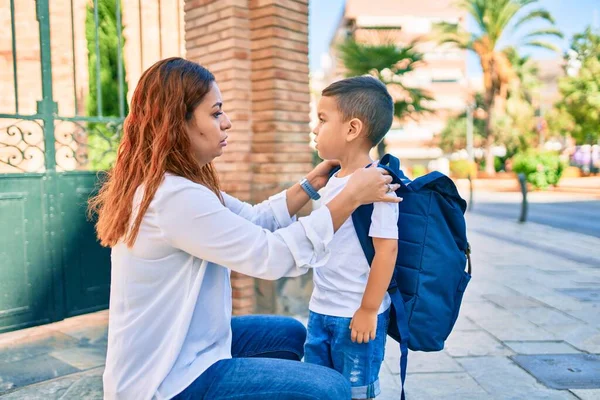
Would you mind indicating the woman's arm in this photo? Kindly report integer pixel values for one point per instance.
(318, 177)
(271, 214)
(278, 211)
(192, 219)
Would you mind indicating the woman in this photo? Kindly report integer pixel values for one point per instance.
(175, 237)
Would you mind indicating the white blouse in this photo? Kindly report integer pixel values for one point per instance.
(170, 300)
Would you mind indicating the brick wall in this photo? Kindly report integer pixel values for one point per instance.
(258, 51)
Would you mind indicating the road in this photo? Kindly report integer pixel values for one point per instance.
(575, 213)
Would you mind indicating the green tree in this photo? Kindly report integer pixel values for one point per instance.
(526, 73)
(388, 63)
(454, 135)
(581, 91)
(102, 139)
(493, 19)
(560, 122)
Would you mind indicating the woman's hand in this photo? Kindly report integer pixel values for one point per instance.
(319, 176)
(371, 185)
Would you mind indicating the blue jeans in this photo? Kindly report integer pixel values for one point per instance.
(266, 353)
(329, 344)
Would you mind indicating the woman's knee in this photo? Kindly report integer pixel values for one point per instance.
(295, 329)
(294, 333)
(329, 384)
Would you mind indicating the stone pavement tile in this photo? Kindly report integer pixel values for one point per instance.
(563, 371)
(561, 279)
(561, 302)
(98, 318)
(419, 361)
(23, 335)
(49, 390)
(471, 296)
(545, 316)
(439, 361)
(541, 347)
(475, 343)
(580, 336)
(587, 394)
(532, 288)
(82, 358)
(447, 386)
(32, 370)
(514, 328)
(80, 386)
(512, 301)
(35, 345)
(390, 384)
(589, 313)
(586, 292)
(88, 387)
(88, 335)
(483, 310)
(464, 324)
(506, 380)
(487, 287)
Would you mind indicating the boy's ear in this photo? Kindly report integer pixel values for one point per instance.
(355, 129)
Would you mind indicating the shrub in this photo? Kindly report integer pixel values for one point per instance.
(461, 168)
(418, 170)
(542, 169)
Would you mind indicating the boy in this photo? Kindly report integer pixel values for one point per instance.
(349, 307)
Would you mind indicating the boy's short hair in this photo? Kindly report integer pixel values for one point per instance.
(367, 99)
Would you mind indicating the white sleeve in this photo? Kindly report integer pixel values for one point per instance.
(271, 214)
(192, 219)
(384, 221)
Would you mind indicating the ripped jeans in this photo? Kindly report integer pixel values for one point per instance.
(329, 344)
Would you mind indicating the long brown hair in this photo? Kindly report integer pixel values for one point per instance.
(154, 141)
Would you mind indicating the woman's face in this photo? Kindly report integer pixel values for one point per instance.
(208, 127)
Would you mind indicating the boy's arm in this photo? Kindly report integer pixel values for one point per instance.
(364, 322)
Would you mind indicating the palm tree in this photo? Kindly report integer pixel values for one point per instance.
(388, 63)
(493, 18)
(526, 72)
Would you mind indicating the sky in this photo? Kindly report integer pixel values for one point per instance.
(571, 16)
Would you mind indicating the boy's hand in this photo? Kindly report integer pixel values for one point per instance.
(319, 176)
(363, 325)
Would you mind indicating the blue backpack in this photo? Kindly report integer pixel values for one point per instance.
(429, 277)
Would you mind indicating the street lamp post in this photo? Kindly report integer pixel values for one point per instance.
(470, 108)
(471, 156)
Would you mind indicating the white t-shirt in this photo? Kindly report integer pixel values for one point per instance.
(340, 284)
(170, 295)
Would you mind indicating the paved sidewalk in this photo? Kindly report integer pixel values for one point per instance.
(533, 305)
(535, 293)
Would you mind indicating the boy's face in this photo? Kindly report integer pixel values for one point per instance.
(330, 131)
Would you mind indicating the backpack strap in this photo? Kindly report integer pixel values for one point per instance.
(402, 324)
(392, 165)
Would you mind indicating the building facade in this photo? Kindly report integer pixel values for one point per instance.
(443, 74)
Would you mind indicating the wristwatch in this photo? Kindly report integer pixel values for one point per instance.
(309, 189)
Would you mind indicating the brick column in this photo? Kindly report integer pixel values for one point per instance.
(217, 36)
(280, 94)
(280, 110)
(258, 51)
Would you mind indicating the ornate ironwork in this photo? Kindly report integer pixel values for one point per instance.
(22, 147)
(85, 145)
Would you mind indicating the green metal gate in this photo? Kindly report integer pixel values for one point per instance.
(51, 266)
